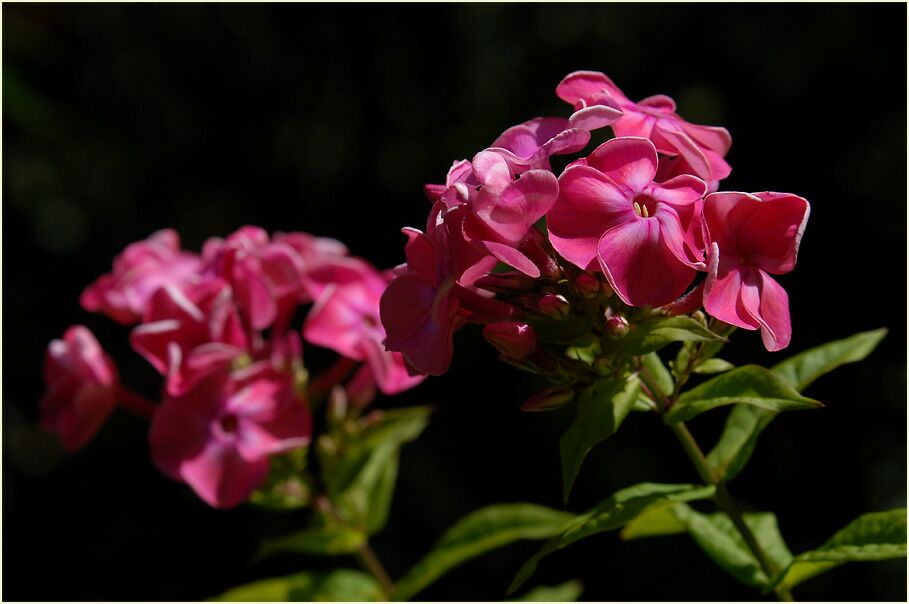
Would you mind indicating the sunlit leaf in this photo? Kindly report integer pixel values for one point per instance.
(477, 533)
(601, 409)
(750, 385)
(871, 537)
(611, 514)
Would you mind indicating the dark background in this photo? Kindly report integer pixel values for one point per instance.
(120, 120)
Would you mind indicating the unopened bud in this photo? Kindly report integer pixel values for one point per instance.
(606, 290)
(553, 305)
(700, 317)
(617, 326)
(551, 398)
(503, 283)
(513, 339)
(587, 285)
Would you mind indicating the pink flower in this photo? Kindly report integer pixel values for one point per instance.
(529, 145)
(315, 253)
(752, 236)
(700, 148)
(82, 387)
(265, 275)
(184, 333)
(433, 294)
(345, 319)
(641, 233)
(504, 209)
(140, 270)
(219, 434)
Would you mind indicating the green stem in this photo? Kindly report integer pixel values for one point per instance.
(727, 504)
(364, 554)
(708, 475)
(371, 562)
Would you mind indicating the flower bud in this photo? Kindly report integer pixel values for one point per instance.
(553, 305)
(700, 317)
(602, 366)
(503, 283)
(513, 339)
(551, 398)
(587, 285)
(617, 326)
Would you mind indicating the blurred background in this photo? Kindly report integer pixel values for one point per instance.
(120, 120)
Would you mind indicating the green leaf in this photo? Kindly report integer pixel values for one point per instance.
(652, 334)
(611, 514)
(657, 371)
(657, 520)
(750, 385)
(601, 409)
(717, 536)
(720, 540)
(871, 537)
(329, 540)
(743, 426)
(340, 585)
(569, 591)
(745, 423)
(709, 366)
(802, 369)
(361, 483)
(480, 532)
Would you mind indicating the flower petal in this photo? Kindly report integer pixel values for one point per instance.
(587, 206)
(640, 266)
(629, 161)
(722, 291)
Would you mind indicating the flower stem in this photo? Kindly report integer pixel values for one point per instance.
(727, 504)
(371, 562)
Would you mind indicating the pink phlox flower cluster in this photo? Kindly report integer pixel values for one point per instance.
(641, 208)
(216, 326)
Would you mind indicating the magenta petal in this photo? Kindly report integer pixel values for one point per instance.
(771, 311)
(513, 258)
(681, 190)
(687, 148)
(630, 162)
(639, 265)
(334, 324)
(594, 117)
(418, 319)
(722, 291)
(588, 204)
(579, 86)
(775, 231)
(221, 476)
(712, 137)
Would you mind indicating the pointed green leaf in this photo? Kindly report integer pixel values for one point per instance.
(330, 540)
(652, 334)
(361, 483)
(601, 409)
(340, 585)
(717, 536)
(657, 520)
(871, 537)
(569, 591)
(750, 385)
(611, 514)
(710, 366)
(743, 426)
(802, 369)
(745, 423)
(657, 371)
(477, 533)
(720, 540)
